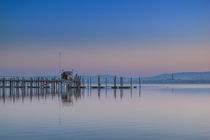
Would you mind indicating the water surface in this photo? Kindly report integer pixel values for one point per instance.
(161, 112)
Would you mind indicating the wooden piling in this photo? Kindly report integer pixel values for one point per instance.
(17, 85)
(121, 82)
(38, 84)
(46, 87)
(10, 86)
(54, 84)
(115, 82)
(31, 84)
(23, 85)
(42, 85)
(106, 82)
(139, 82)
(131, 82)
(90, 82)
(99, 81)
(3, 86)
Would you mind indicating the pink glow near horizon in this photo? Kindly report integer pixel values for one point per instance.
(122, 61)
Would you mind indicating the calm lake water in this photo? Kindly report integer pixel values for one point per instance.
(160, 112)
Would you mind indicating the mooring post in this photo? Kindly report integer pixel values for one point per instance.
(54, 84)
(80, 82)
(115, 81)
(99, 81)
(35, 80)
(46, 85)
(131, 82)
(106, 82)
(38, 84)
(10, 86)
(121, 82)
(139, 82)
(50, 83)
(17, 85)
(23, 85)
(10, 83)
(42, 85)
(31, 84)
(3, 86)
(90, 82)
(23, 82)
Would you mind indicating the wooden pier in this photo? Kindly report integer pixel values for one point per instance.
(41, 83)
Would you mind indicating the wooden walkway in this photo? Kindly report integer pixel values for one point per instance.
(54, 83)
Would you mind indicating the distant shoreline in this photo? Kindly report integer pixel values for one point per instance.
(175, 81)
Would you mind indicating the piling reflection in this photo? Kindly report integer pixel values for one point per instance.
(99, 93)
(66, 95)
(121, 93)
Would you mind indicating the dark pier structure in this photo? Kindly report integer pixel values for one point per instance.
(67, 81)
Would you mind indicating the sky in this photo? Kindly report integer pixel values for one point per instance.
(123, 37)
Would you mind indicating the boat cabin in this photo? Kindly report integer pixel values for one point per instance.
(67, 75)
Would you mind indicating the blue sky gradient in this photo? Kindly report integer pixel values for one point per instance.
(97, 26)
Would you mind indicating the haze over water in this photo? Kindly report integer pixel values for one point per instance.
(154, 112)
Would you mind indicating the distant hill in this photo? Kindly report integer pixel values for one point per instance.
(182, 76)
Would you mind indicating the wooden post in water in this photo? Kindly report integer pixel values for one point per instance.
(10, 86)
(106, 82)
(80, 82)
(139, 82)
(38, 84)
(42, 85)
(46, 85)
(23, 85)
(139, 86)
(35, 82)
(3, 86)
(23, 82)
(54, 84)
(131, 82)
(115, 81)
(99, 81)
(90, 82)
(121, 82)
(17, 85)
(31, 84)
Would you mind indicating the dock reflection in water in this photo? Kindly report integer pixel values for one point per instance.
(152, 112)
(67, 96)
